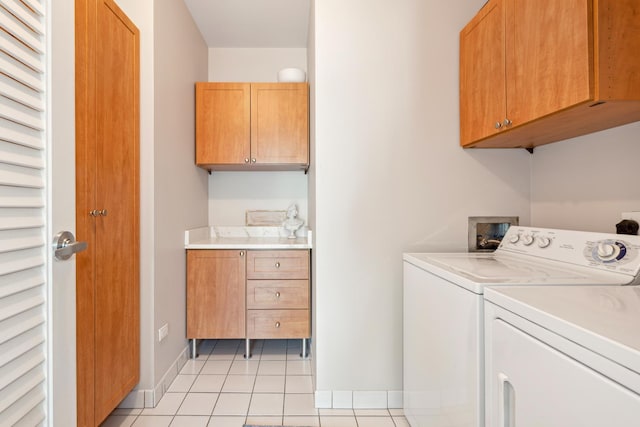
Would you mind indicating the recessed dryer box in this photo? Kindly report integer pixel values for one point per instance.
(486, 232)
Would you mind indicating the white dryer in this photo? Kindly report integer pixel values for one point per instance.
(443, 318)
(563, 356)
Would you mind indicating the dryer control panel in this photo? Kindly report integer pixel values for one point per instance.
(603, 251)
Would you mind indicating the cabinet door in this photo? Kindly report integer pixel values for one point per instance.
(548, 57)
(215, 294)
(222, 123)
(280, 123)
(482, 73)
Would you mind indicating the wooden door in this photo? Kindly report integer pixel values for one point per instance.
(280, 123)
(483, 99)
(107, 208)
(222, 123)
(216, 298)
(549, 57)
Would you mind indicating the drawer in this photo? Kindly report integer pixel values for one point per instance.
(278, 324)
(277, 294)
(278, 264)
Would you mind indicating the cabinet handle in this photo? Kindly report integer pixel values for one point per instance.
(506, 123)
(277, 294)
(94, 212)
(277, 265)
(246, 160)
(241, 253)
(253, 160)
(277, 324)
(498, 125)
(103, 212)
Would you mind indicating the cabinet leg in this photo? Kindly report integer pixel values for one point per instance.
(304, 348)
(247, 348)
(194, 341)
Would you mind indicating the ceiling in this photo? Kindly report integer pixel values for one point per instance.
(252, 23)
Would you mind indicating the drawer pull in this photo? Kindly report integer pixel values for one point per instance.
(277, 265)
(277, 294)
(277, 324)
(241, 253)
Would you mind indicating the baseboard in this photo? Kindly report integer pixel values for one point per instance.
(135, 399)
(141, 398)
(350, 399)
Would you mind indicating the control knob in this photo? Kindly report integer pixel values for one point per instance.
(514, 239)
(527, 240)
(544, 242)
(607, 251)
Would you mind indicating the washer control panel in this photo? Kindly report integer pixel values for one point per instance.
(610, 252)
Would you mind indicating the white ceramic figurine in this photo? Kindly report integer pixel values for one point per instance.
(292, 223)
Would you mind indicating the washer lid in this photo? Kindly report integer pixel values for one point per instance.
(473, 271)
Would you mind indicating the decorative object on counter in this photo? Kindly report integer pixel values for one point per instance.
(627, 226)
(292, 75)
(265, 218)
(292, 222)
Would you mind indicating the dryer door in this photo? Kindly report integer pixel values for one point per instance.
(535, 385)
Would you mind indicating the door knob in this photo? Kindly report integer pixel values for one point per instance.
(65, 245)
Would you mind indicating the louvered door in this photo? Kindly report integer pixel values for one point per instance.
(24, 287)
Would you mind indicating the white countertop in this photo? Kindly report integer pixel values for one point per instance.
(217, 237)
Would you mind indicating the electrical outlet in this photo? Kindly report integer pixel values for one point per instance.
(163, 332)
(631, 215)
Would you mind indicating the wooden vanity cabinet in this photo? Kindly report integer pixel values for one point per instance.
(252, 126)
(216, 294)
(532, 73)
(248, 294)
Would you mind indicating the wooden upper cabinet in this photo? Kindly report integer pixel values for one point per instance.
(252, 126)
(482, 76)
(548, 65)
(223, 123)
(280, 123)
(569, 68)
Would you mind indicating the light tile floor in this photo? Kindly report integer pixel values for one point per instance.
(221, 389)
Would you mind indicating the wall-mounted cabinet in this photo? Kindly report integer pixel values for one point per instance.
(532, 73)
(252, 126)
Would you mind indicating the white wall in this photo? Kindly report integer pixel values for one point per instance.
(172, 189)
(253, 64)
(586, 183)
(389, 175)
(180, 188)
(231, 194)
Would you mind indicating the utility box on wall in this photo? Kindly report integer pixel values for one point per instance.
(486, 232)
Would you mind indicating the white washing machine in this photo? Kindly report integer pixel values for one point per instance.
(443, 372)
(563, 356)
